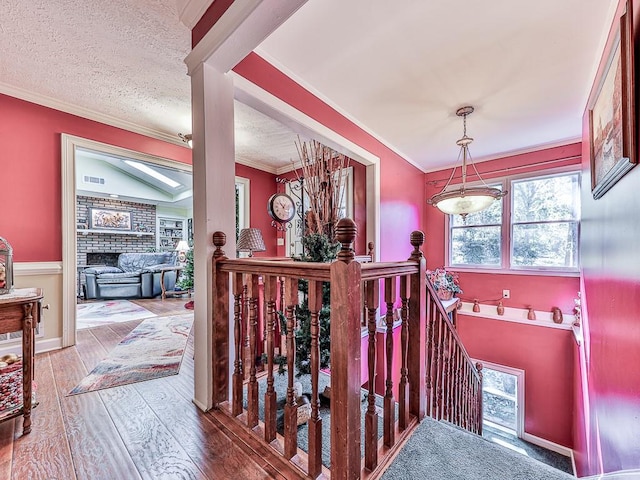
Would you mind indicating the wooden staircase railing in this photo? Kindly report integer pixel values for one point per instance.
(425, 370)
(453, 382)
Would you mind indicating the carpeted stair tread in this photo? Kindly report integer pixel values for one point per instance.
(442, 451)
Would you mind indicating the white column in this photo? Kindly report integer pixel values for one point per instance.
(214, 205)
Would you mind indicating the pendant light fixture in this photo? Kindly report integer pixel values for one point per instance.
(465, 200)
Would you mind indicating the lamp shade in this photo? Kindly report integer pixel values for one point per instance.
(182, 246)
(462, 202)
(250, 240)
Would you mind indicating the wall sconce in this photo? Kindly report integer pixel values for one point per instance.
(188, 139)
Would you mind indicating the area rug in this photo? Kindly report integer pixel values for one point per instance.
(95, 314)
(152, 350)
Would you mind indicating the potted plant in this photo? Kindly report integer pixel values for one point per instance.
(445, 282)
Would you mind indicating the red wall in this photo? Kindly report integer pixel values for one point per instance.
(546, 356)
(541, 292)
(401, 184)
(30, 169)
(608, 415)
(263, 185)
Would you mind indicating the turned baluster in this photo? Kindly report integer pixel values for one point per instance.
(389, 402)
(437, 350)
(238, 373)
(290, 408)
(403, 393)
(372, 292)
(315, 422)
(430, 357)
(446, 346)
(270, 406)
(479, 414)
(252, 397)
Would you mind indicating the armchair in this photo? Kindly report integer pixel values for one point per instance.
(138, 275)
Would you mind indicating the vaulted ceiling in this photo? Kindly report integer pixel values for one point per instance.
(398, 69)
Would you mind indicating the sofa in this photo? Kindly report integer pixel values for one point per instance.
(136, 276)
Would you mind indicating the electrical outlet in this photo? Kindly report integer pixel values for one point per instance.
(506, 293)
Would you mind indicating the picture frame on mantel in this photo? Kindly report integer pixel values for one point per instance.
(612, 116)
(104, 219)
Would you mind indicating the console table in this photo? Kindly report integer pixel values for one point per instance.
(20, 310)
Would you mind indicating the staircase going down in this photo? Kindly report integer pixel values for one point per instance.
(440, 451)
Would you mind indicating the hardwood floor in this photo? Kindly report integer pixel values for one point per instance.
(146, 430)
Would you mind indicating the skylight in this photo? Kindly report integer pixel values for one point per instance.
(153, 173)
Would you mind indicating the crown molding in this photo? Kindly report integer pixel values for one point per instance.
(191, 11)
(258, 166)
(88, 114)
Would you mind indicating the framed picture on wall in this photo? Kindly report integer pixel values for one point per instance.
(103, 219)
(612, 112)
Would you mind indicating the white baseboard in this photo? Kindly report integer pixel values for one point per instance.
(42, 346)
(541, 442)
(626, 474)
(554, 447)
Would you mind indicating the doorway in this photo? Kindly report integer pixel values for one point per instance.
(124, 187)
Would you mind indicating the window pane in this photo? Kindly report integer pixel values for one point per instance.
(475, 246)
(551, 198)
(545, 245)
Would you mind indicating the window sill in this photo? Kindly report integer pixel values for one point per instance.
(501, 271)
(518, 315)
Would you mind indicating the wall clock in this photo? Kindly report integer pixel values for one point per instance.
(281, 207)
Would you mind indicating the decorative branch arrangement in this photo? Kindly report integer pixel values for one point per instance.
(322, 170)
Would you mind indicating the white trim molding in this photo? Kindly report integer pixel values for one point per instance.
(243, 26)
(191, 11)
(42, 346)
(518, 315)
(88, 114)
(541, 442)
(37, 268)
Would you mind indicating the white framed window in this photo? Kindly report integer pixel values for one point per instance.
(535, 227)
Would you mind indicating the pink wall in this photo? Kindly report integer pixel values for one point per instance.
(541, 352)
(546, 356)
(31, 215)
(402, 185)
(263, 185)
(541, 292)
(610, 259)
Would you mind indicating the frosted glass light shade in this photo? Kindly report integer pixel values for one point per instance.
(464, 201)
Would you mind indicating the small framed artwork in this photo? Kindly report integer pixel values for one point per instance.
(612, 112)
(103, 219)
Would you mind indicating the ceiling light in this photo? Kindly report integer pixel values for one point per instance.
(153, 173)
(188, 139)
(463, 200)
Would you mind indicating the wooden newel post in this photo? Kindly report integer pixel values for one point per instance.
(417, 330)
(346, 305)
(220, 324)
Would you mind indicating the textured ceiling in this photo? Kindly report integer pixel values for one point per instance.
(399, 69)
